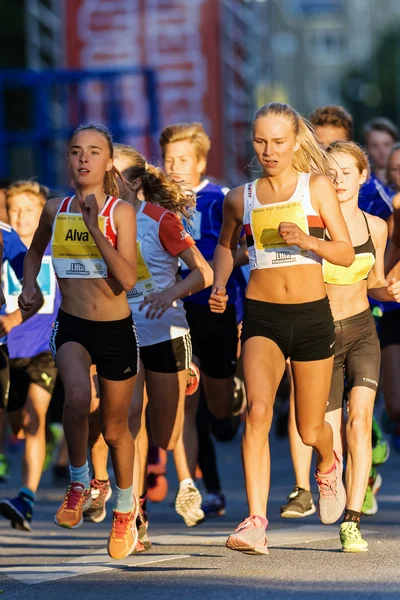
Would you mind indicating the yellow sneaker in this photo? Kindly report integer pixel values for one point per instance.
(76, 500)
(124, 534)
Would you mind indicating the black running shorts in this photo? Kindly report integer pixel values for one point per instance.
(389, 328)
(171, 356)
(4, 376)
(214, 339)
(303, 332)
(112, 345)
(357, 357)
(39, 369)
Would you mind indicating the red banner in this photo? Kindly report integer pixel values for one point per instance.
(179, 39)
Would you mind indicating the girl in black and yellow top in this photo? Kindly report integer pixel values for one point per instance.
(287, 313)
(93, 240)
(357, 351)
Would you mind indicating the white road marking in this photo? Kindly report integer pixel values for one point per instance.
(29, 572)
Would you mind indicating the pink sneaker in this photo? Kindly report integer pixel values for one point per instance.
(249, 537)
(332, 495)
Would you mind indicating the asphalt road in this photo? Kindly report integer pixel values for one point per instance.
(305, 560)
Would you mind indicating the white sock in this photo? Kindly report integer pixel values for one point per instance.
(187, 481)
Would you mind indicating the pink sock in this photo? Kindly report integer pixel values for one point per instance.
(329, 471)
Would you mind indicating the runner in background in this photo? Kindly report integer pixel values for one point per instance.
(287, 313)
(332, 123)
(185, 148)
(93, 239)
(32, 370)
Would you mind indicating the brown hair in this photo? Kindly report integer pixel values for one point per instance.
(191, 132)
(394, 149)
(333, 115)
(110, 177)
(156, 187)
(310, 157)
(381, 124)
(356, 151)
(30, 188)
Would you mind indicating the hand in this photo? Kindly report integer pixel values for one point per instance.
(218, 300)
(157, 303)
(27, 297)
(6, 324)
(90, 212)
(292, 235)
(393, 289)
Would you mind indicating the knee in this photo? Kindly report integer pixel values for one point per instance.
(359, 427)
(113, 433)
(33, 421)
(77, 401)
(310, 435)
(259, 415)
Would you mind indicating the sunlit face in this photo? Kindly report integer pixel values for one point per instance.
(394, 169)
(89, 158)
(24, 212)
(348, 177)
(274, 143)
(379, 145)
(182, 164)
(327, 134)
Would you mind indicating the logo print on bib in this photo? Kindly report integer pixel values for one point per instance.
(76, 268)
(283, 256)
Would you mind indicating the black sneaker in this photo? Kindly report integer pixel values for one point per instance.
(300, 504)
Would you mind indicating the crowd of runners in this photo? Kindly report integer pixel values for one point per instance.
(154, 310)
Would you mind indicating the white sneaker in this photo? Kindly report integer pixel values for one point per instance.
(188, 505)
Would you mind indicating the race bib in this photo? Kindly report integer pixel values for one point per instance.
(75, 253)
(339, 275)
(145, 284)
(266, 220)
(46, 281)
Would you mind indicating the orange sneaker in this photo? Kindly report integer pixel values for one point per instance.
(76, 500)
(124, 534)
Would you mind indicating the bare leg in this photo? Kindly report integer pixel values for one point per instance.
(219, 394)
(301, 454)
(97, 443)
(335, 420)
(312, 381)
(359, 457)
(34, 425)
(262, 378)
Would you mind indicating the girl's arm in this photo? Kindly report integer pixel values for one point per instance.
(339, 250)
(227, 248)
(121, 262)
(378, 287)
(200, 277)
(31, 298)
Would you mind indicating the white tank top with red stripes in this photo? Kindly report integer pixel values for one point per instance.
(74, 252)
(261, 222)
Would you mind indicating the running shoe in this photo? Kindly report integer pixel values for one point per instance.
(124, 534)
(249, 537)
(351, 538)
(332, 495)
(193, 380)
(188, 505)
(101, 492)
(18, 511)
(4, 469)
(380, 447)
(214, 505)
(157, 483)
(143, 543)
(76, 501)
(299, 504)
(370, 505)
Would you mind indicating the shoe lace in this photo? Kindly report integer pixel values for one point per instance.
(351, 531)
(98, 491)
(248, 523)
(327, 485)
(120, 524)
(73, 496)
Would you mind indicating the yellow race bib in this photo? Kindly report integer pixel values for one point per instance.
(359, 270)
(145, 283)
(266, 220)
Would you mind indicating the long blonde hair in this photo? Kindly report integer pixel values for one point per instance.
(310, 157)
(156, 187)
(354, 150)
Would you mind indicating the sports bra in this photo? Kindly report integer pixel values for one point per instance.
(261, 221)
(74, 252)
(358, 271)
